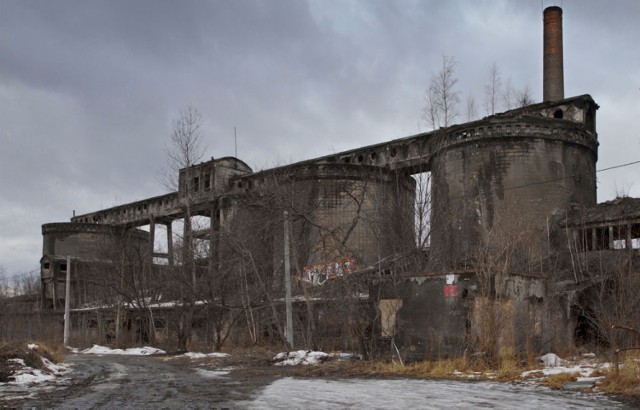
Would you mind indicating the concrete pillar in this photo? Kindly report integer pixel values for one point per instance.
(213, 248)
(170, 242)
(553, 70)
(610, 237)
(152, 238)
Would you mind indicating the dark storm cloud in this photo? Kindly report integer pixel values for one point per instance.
(88, 89)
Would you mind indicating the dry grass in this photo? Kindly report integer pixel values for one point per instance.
(508, 369)
(31, 358)
(53, 352)
(626, 381)
(556, 381)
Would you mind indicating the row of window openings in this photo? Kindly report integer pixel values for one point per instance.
(196, 183)
(63, 266)
(614, 238)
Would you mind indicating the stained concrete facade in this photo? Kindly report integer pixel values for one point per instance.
(85, 246)
(521, 169)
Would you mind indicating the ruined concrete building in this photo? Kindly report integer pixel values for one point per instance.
(513, 196)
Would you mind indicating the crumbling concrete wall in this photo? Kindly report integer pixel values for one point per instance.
(517, 171)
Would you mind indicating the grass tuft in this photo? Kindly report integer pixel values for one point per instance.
(626, 381)
(557, 381)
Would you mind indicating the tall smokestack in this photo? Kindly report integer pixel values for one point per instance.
(553, 81)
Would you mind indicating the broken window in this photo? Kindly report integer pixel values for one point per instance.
(388, 313)
(63, 267)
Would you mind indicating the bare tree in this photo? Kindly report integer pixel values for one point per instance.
(186, 147)
(441, 96)
(524, 96)
(509, 95)
(493, 89)
(431, 111)
(471, 108)
(184, 152)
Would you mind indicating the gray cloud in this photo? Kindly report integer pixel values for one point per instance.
(88, 89)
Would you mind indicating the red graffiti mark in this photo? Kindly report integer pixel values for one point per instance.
(450, 291)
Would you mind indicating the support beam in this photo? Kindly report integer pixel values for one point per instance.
(152, 238)
(169, 226)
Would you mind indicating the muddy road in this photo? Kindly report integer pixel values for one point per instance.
(159, 382)
(141, 382)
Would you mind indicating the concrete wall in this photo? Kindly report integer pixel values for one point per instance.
(511, 172)
(335, 211)
(433, 317)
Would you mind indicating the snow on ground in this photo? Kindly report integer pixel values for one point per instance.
(197, 355)
(555, 365)
(213, 374)
(289, 393)
(29, 375)
(300, 357)
(134, 351)
(551, 360)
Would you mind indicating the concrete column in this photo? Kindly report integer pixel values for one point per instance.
(170, 242)
(152, 238)
(610, 237)
(213, 248)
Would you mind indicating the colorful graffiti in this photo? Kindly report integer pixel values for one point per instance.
(317, 275)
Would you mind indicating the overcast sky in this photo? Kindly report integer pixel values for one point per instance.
(88, 89)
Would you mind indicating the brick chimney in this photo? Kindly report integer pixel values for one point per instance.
(553, 77)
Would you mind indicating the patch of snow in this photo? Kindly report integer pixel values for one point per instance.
(406, 393)
(300, 357)
(197, 355)
(17, 360)
(551, 360)
(212, 374)
(56, 369)
(134, 351)
(589, 355)
(32, 346)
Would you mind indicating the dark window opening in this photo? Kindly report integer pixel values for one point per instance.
(207, 181)
(63, 267)
(360, 158)
(373, 155)
(196, 184)
(393, 152)
(46, 265)
(558, 114)
(346, 160)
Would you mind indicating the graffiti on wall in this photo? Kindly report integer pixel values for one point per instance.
(451, 286)
(317, 275)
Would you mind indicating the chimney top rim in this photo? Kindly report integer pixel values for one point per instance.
(553, 8)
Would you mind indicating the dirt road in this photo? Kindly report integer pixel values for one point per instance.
(141, 382)
(144, 382)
